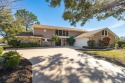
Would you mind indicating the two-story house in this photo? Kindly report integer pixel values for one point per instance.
(42, 34)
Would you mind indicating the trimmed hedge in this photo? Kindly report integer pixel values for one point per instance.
(28, 45)
(91, 43)
(99, 47)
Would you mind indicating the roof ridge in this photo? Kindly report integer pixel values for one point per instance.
(61, 27)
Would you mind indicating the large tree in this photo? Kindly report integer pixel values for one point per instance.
(27, 17)
(9, 26)
(84, 10)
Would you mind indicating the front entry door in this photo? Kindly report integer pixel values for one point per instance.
(58, 43)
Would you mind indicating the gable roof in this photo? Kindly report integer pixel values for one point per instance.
(57, 27)
(92, 33)
(27, 34)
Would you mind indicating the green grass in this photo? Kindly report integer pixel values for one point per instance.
(116, 55)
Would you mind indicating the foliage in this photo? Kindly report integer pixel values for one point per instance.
(70, 41)
(91, 43)
(13, 62)
(121, 44)
(10, 27)
(2, 60)
(116, 43)
(14, 42)
(1, 49)
(28, 44)
(104, 41)
(83, 10)
(54, 39)
(27, 17)
(12, 59)
(10, 54)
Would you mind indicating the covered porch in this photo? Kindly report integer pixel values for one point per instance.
(29, 39)
(62, 41)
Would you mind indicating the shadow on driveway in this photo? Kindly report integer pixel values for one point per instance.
(59, 69)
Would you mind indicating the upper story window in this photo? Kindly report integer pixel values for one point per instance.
(67, 33)
(61, 33)
(104, 33)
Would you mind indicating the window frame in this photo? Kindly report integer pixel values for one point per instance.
(104, 33)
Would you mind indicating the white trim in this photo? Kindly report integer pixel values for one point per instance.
(63, 36)
(104, 32)
(45, 39)
(28, 36)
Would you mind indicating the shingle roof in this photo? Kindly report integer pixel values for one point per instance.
(91, 33)
(57, 27)
(88, 34)
(28, 34)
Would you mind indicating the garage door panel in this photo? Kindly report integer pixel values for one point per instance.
(81, 42)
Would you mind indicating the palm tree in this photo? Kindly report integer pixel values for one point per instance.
(54, 39)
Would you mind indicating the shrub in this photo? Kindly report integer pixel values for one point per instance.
(12, 62)
(14, 42)
(95, 47)
(91, 43)
(104, 42)
(12, 59)
(121, 44)
(28, 45)
(1, 62)
(1, 50)
(70, 41)
(1, 59)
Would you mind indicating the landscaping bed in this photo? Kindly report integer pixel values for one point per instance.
(21, 74)
(113, 56)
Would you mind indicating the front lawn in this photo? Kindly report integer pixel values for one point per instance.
(116, 56)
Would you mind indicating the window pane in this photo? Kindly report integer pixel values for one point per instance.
(106, 33)
(64, 33)
(60, 32)
(56, 32)
(103, 32)
(67, 33)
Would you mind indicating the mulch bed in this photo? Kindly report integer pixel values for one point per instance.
(22, 74)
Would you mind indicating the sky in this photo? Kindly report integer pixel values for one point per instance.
(53, 16)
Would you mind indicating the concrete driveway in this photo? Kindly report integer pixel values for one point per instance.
(66, 65)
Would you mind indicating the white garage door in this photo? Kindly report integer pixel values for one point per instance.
(80, 42)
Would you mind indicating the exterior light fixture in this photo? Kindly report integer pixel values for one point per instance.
(44, 30)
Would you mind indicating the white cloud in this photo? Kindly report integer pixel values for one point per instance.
(117, 25)
(113, 26)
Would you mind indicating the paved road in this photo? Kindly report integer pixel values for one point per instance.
(66, 65)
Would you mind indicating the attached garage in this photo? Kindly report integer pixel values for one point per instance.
(80, 42)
